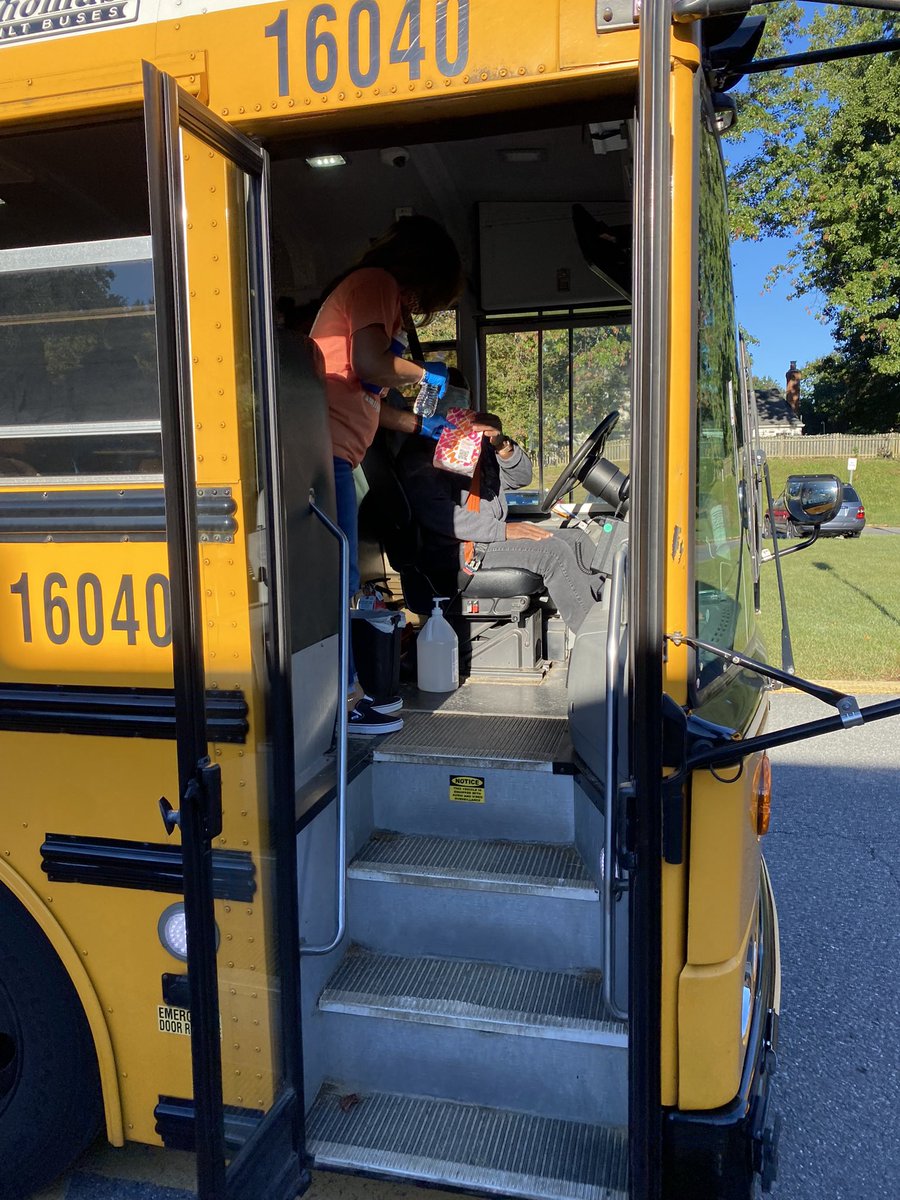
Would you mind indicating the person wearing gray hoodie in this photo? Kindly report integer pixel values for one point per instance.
(474, 533)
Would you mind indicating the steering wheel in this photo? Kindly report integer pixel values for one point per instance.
(585, 457)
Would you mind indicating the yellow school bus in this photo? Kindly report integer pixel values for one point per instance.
(526, 946)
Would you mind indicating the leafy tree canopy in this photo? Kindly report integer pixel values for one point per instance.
(818, 162)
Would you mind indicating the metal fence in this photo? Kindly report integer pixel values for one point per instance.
(821, 445)
(834, 445)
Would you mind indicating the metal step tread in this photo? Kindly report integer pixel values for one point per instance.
(449, 1144)
(563, 1005)
(524, 743)
(491, 866)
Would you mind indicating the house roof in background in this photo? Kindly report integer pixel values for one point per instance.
(774, 410)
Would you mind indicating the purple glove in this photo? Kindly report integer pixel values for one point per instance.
(433, 427)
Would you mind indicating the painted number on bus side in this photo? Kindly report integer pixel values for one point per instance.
(82, 609)
(366, 42)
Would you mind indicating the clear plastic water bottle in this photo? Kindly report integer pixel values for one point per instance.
(426, 402)
(437, 653)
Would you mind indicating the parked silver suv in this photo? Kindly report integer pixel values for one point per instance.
(850, 521)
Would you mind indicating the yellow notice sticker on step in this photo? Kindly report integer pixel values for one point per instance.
(468, 788)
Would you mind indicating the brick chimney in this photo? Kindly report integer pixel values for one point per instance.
(792, 388)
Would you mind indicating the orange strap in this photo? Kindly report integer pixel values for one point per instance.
(473, 504)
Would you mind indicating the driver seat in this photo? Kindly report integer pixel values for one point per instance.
(500, 625)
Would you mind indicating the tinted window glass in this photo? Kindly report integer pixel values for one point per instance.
(79, 393)
(850, 494)
(723, 572)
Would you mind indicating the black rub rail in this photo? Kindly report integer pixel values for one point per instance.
(114, 712)
(143, 866)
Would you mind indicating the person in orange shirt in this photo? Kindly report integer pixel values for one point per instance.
(412, 270)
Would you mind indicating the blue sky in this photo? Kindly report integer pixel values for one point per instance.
(786, 329)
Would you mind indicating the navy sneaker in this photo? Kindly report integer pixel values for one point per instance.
(365, 720)
(391, 704)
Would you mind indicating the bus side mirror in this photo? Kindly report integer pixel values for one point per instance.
(812, 499)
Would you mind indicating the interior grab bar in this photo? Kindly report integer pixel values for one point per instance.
(610, 857)
(343, 720)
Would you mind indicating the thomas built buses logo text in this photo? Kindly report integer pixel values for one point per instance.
(23, 20)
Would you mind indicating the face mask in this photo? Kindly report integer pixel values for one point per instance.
(457, 397)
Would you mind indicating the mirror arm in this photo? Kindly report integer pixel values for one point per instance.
(769, 556)
(847, 706)
(787, 650)
(731, 755)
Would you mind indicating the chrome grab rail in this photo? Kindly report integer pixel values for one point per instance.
(610, 858)
(343, 722)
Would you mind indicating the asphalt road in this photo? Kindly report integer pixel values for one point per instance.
(834, 855)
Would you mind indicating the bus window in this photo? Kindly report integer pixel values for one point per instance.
(513, 388)
(78, 376)
(553, 386)
(440, 337)
(722, 570)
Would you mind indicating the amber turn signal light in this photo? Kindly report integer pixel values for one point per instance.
(762, 794)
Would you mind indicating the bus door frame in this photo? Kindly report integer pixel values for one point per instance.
(647, 560)
(271, 1161)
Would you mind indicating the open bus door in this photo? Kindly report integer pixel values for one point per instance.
(209, 214)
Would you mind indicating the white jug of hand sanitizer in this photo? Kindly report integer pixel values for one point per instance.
(437, 652)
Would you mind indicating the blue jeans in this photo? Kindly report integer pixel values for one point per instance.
(345, 497)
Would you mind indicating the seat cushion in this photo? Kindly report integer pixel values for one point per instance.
(501, 583)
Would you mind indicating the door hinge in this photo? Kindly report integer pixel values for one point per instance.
(673, 818)
(626, 853)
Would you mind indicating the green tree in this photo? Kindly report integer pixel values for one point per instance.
(512, 384)
(819, 164)
(601, 381)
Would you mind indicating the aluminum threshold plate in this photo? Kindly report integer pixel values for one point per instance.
(448, 1144)
(524, 868)
(530, 743)
(560, 1005)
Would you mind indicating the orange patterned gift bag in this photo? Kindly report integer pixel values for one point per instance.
(458, 449)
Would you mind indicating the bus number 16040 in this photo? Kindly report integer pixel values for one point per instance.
(83, 607)
(327, 43)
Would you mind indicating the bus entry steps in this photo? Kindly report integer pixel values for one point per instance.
(520, 743)
(522, 868)
(467, 1146)
(480, 1032)
(557, 1005)
(518, 903)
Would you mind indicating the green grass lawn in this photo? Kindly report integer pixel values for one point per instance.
(844, 606)
(843, 594)
(876, 479)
